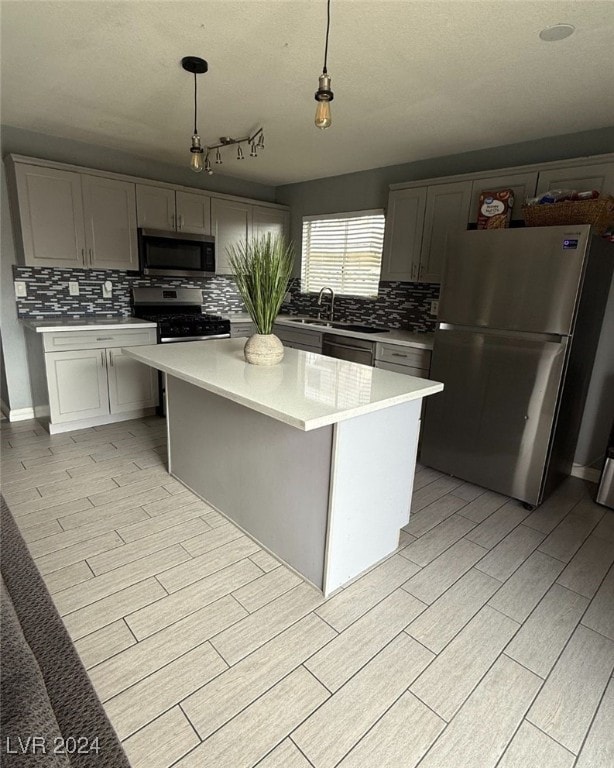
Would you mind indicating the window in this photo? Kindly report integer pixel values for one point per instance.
(344, 252)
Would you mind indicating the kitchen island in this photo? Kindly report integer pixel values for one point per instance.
(314, 457)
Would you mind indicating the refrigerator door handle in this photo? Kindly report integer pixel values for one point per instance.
(555, 338)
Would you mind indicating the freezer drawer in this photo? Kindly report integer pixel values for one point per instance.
(492, 423)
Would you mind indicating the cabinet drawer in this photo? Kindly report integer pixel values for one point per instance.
(408, 370)
(242, 329)
(394, 353)
(304, 338)
(97, 339)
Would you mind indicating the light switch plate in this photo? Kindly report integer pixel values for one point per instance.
(435, 307)
(21, 288)
(73, 288)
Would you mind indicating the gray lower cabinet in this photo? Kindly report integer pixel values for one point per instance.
(242, 328)
(90, 381)
(409, 360)
(310, 341)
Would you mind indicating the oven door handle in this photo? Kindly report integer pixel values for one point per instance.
(172, 339)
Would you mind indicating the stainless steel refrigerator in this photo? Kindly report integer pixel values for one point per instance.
(519, 320)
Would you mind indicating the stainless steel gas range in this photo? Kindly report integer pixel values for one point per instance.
(179, 314)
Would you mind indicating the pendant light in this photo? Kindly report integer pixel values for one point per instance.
(324, 95)
(196, 66)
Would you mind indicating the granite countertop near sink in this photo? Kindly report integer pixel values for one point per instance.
(86, 324)
(392, 336)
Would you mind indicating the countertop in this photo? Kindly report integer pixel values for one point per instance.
(394, 336)
(305, 390)
(87, 324)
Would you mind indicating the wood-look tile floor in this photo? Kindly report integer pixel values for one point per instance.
(486, 640)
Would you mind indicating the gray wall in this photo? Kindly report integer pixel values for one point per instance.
(369, 189)
(20, 142)
(17, 393)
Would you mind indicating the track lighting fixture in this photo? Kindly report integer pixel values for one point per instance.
(324, 95)
(197, 66)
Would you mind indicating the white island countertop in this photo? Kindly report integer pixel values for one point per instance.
(86, 324)
(305, 390)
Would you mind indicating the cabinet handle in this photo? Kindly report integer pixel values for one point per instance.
(173, 221)
(111, 357)
(102, 357)
(91, 254)
(83, 255)
(398, 354)
(420, 271)
(179, 221)
(104, 338)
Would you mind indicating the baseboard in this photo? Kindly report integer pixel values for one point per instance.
(585, 473)
(70, 426)
(16, 414)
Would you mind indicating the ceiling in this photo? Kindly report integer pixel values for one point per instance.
(413, 79)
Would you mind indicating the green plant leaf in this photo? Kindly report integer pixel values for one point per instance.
(262, 268)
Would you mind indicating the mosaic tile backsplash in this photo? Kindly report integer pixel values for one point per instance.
(399, 305)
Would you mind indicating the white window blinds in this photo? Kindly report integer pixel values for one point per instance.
(344, 252)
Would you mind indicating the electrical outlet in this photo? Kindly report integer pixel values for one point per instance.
(21, 288)
(287, 297)
(435, 307)
(107, 289)
(73, 287)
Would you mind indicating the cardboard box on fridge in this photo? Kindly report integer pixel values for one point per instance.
(495, 209)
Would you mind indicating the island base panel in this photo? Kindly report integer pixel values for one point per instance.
(270, 478)
(373, 464)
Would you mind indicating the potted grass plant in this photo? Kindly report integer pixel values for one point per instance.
(262, 268)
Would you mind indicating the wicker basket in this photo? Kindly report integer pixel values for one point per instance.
(599, 213)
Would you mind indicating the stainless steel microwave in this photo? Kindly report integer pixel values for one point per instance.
(176, 254)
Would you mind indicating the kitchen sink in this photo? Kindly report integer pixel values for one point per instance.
(342, 326)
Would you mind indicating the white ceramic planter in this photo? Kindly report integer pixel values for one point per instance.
(264, 349)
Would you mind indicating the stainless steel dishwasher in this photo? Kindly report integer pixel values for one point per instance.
(347, 348)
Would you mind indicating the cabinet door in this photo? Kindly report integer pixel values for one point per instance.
(403, 235)
(77, 383)
(522, 184)
(581, 178)
(231, 223)
(155, 207)
(110, 218)
(132, 385)
(270, 221)
(447, 210)
(193, 213)
(51, 216)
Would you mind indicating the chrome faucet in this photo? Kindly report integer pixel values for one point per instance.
(332, 301)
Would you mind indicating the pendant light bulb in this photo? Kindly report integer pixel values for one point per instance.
(324, 96)
(196, 162)
(208, 168)
(252, 151)
(260, 143)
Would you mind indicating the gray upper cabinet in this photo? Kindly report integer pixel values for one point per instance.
(403, 235)
(70, 219)
(581, 178)
(193, 212)
(447, 212)
(110, 223)
(170, 210)
(231, 223)
(272, 221)
(155, 207)
(50, 213)
(523, 185)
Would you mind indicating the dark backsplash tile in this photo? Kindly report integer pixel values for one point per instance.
(399, 305)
